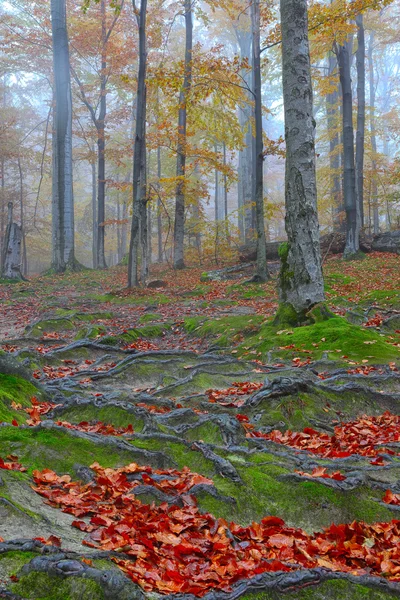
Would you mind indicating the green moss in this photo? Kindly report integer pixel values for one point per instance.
(12, 562)
(336, 337)
(108, 414)
(41, 585)
(51, 325)
(207, 432)
(286, 315)
(18, 390)
(149, 317)
(92, 332)
(329, 590)
(57, 450)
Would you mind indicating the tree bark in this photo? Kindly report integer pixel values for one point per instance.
(245, 169)
(24, 262)
(372, 93)
(101, 143)
(332, 101)
(94, 214)
(262, 273)
(301, 281)
(63, 199)
(179, 226)
(360, 58)
(139, 147)
(349, 175)
(159, 219)
(11, 265)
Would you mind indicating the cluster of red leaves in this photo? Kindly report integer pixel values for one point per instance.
(297, 362)
(375, 321)
(174, 549)
(321, 472)
(239, 388)
(363, 437)
(14, 465)
(38, 409)
(70, 368)
(391, 498)
(141, 346)
(97, 427)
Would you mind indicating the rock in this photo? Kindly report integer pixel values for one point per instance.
(157, 283)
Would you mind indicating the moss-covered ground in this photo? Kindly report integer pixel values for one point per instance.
(170, 354)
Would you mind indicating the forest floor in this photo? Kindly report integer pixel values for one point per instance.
(175, 441)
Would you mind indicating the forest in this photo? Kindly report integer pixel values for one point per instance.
(199, 299)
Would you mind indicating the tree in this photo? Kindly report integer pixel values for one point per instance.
(63, 198)
(179, 226)
(301, 281)
(360, 57)
(352, 246)
(139, 152)
(372, 93)
(262, 273)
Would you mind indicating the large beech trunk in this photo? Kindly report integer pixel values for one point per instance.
(179, 227)
(301, 282)
(349, 173)
(262, 273)
(63, 200)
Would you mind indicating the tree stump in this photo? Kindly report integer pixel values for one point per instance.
(11, 264)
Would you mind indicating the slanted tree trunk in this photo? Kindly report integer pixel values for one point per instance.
(349, 174)
(139, 147)
(179, 227)
(301, 281)
(262, 273)
(11, 265)
(332, 101)
(360, 58)
(372, 93)
(63, 199)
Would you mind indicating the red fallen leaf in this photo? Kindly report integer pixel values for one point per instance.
(390, 498)
(242, 418)
(1, 540)
(15, 423)
(54, 541)
(14, 578)
(12, 466)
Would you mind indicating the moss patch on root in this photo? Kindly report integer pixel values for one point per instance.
(18, 390)
(45, 587)
(329, 590)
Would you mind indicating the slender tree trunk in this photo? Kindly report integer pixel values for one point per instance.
(63, 200)
(332, 102)
(179, 227)
(245, 168)
(139, 147)
(372, 93)
(225, 196)
(159, 219)
(349, 176)
(301, 281)
(101, 144)
(216, 191)
(262, 273)
(360, 57)
(2, 209)
(94, 213)
(11, 265)
(24, 268)
(144, 225)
